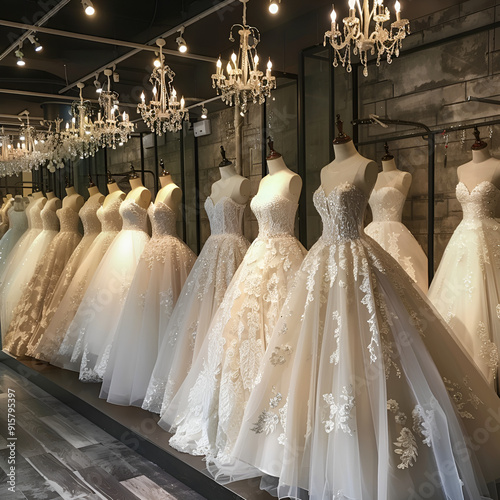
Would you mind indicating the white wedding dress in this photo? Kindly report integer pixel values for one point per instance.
(57, 342)
(99, 311)
(160, 275)
(350, 404)
(207, 410)
(466, 287)
(393, 236)
(18, 226)
(200, 298)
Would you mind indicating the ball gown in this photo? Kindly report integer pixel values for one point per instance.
(209, 405)
(393, 236)
(364, 393)
(160, 275)
(18, 226)
(466, 287)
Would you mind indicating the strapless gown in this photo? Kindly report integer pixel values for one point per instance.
(200, 298)
(207, 410)
(18, 227)
(364, 392)
(40, 288)
(466, 287)
(57, 342)
(393, 236)
(91, 228)
(160, 275)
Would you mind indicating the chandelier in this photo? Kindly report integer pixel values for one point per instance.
(109, 130)
(164, 112)
(356, 32)
(244, 82)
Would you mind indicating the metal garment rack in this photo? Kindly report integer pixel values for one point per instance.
(430, 137)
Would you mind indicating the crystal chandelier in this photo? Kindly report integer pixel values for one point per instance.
(356, 32)
(109, 130)
(244, 82)
(164, 112)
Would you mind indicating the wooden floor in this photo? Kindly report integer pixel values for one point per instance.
(62, 455)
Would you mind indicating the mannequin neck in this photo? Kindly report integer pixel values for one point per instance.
(344, 151)
(50, 195)
(9, 196)
(70, 190)
(37, 195)
(93, 190)
(227, 172)
(389, 165)
(112, 187)
(480, 155)
(165, 180)
(276, 165)
(135, 183)
(18, 203)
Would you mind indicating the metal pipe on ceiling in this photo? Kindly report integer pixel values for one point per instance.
(39, 23)
(29, 93)
(172, 31)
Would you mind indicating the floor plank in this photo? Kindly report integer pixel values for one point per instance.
(25, 444)
(102, 456)
(145, 489)
(67, 431)
(105, 484)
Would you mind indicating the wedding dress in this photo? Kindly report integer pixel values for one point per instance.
(200, 298)
(393, 236)
(91, 228)
(58, 340)
(13, 288)
(349, 403)
(466, 287)
(207, 410)
(41, 286)
(99, 311)
(160, 275)
(18, 227)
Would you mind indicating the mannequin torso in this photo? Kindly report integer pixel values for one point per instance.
(115, 193)
(19, 204)
(140, 194)
(481, 168)
(170, 193)
(349, 166)
(230, 185)
(53, 203)
(281, 180)
(39, 199)
(96, 194)
(73, 200)
(392, 177)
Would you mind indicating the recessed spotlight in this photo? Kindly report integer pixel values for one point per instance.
(181, 43)
(274, 6)
(88, 6)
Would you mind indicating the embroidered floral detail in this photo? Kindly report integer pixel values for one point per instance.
(498, 311)
(489, 350)
(267, 423)
(280, 354)
(276, 400)
(399, 416)
(334, 358)
(422, 423)
(282, 415)
(340, 412)
(462, 396)
(406, 448)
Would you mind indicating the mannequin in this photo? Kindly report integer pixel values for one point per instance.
(114, 191)
(391, 176)
(19, 203)
(349, 166)
(94, 191)
(73, 200)
(53, 202)
(170, 193)
(140, 194)
(481, 168)
(280, 180)
(231, 184)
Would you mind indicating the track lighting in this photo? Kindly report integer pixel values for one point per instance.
(116, 77)
(274, 6)
(35, 42)
(97, 84)
(181, 43)
(204, 112)
(88, 7)
(20, 55)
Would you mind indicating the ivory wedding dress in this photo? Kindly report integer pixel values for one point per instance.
(41, 286)
(98, 314)
(58, 340)
(91, 228)
(466, 287)
(393, 236)
(200, 298)
(350, 404)
(208, 407)
(18, 227)
(160, 275)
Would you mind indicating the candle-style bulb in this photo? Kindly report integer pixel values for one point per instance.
(143, 97)
(269, 65)
(397, 6)
(256, 59)
(182, 102)
(333, 16)
(233, 58)
(352, 3)
(219, 63)
(228, 68)
(154, 91)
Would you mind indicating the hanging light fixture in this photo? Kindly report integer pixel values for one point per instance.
(19, 54)
(164, 112)
(356, 33)
(245, 82)
(204, 113)
(181, 43)
(34, 41)
(88, 7)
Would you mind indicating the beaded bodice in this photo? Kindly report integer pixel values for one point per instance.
(110, 217)
(225, 216)
(134, 216)
(275, 215)
(68, 219)
(480, 203)
(341, 212)
(88, 215)
(50, 221)
(163, 219)
(34, 216)
(387, 204)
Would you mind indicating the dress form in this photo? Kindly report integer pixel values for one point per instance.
(170, 194)
(391, 176)
(94, 191)
(114, 192)
(73, 200)
(53, 202)
(280, 180)
(140, 194)
(18, 203)
(231, 184)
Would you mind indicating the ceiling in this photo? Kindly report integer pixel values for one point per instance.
(64, 61)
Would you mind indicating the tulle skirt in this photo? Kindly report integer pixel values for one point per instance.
(9, 243)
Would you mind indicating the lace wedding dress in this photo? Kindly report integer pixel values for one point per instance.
(13, 288)
(98, 314)
(200, 298)
(349, 403)
(394, 237)
(207, 410)
(466, 287)
(18, 227)
(91, 228)
(58, 340)
(41, 286)
(160, 275)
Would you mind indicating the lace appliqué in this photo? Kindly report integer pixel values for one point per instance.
(334, 358)
(280, 354)
(340, 412)
(489, 350)
(463, 396)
